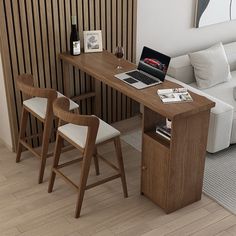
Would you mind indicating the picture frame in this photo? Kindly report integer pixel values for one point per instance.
(209, 12)
(93, 41)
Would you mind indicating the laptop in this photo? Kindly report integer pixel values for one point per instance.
(151, 70)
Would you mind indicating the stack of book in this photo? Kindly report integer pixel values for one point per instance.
(164, 131)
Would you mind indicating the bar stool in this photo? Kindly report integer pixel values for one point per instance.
(85, 133)
(40, 106)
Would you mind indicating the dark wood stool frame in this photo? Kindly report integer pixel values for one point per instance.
(61, 110)
(26, 86)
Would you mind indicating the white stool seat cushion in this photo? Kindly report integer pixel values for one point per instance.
(39, 105)
(78, 134)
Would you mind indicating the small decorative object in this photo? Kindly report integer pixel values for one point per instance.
(215, 11)
(74, 38)
(93, 41)
(119, 53)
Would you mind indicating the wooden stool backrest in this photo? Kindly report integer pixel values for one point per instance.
(25, 83)
(61, 110)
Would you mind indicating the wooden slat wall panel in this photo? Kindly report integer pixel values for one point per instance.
(22, 35)
(114, 45)
(33, 32)
(124, 35)
(98, 85)
(4, 47)
(19, 51)
(119, 43)
(104, 41)
(109, 48)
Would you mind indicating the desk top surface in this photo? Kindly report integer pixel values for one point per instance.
(102, 66)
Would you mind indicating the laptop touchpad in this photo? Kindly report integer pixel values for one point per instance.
(130, 80)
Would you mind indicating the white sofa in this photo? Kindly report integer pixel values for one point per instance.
(222, 129)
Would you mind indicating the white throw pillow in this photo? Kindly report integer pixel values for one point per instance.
(211, 66)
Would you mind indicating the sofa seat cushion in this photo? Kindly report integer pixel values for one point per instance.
(222, 91)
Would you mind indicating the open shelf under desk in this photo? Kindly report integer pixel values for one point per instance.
(158, 138)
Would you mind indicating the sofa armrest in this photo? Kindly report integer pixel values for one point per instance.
(221, 119)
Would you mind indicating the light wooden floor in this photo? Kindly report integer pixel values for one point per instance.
(26, 209)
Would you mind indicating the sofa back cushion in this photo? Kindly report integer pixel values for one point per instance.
(210, 66)
(180, 67)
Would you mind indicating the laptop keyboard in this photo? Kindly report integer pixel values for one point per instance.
(142, 77)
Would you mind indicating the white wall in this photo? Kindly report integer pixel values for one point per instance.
(168, 26)
(5, 133)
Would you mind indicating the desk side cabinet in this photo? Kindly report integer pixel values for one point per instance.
(172, 171)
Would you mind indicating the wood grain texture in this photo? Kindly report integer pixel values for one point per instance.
(4, 48)
(154, 169)
(61, 110)
(27, 209)
(25, 84)
(172, 171)
(102, 66)
(33, 33)
(188, 152)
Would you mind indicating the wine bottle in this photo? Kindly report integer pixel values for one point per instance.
(74, 38)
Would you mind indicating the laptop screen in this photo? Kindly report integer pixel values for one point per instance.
(154, 63)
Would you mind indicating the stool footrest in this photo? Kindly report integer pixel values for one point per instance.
(32, 150)
(84, 96)
(69, 163)
(66, 179)
(64, 149)
(103, 181)
(76, 187)
(108, 163)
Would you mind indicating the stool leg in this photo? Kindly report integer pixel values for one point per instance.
(76, 110)
(83, 180)
(121, 165)
(57, 153)
(23, 124)
(45, 144)
(96, 164)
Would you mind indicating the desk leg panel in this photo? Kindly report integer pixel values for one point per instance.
(187, 160)
(172, 172)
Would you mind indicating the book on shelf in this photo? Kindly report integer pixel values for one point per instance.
(164, 131)
(174, 95)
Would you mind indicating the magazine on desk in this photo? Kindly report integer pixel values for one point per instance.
(174, 95)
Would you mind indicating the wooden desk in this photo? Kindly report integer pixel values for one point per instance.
(172, 171)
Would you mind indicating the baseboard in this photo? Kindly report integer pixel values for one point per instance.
(6, 145)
